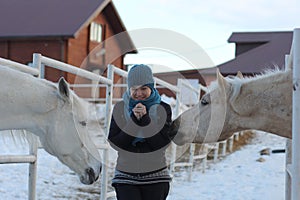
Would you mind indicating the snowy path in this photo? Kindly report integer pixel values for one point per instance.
(237, 177)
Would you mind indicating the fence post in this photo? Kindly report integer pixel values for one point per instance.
(296, 117)
(288, 157)
(288, 161)
(191, 161)
(36, 62)
(109, 95)
(192, 146)
(173, 146)
(224, 145)
(32, 169)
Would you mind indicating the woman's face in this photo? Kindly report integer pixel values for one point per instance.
(140, 92)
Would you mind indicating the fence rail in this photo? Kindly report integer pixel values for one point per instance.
(20, 67)
(108, 82)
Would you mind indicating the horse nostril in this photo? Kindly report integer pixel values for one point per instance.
(91, 173)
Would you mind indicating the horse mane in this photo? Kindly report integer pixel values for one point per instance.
(236, 82)
(18, 138)
(21, 138)
(267, 73)
(49, 83)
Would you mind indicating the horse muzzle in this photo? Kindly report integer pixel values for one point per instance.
(89, 176)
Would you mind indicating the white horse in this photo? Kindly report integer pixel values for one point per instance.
(234, 104)
(53, 113)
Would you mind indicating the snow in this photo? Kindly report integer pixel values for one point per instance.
(238, 176)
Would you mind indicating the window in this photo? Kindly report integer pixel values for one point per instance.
(96, 32)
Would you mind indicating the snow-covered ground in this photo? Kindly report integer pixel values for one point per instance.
(237, 177)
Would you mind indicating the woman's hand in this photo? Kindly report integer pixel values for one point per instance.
(139, 110)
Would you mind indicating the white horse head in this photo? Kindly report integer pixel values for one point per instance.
(68, 137)
(235, 104)
(55, 114)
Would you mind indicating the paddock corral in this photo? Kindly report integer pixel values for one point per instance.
(293, 169)
(39, 60)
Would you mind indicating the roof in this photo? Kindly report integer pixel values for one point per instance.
(48, 18)
(34, 18)
(172, 76)
(271, 53)
(250, 37)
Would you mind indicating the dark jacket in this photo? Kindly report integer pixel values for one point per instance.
(148, 154)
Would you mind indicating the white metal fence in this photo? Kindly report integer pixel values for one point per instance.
(108, 83)
(202, 155)
(293, 147)
(39, 60)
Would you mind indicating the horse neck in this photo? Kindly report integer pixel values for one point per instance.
(265, 104)
(25, 100)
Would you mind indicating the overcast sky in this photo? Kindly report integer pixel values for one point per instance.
(208, 23)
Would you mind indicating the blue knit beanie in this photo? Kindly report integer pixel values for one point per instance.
(140, 75)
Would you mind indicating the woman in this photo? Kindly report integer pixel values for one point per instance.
(140, 132)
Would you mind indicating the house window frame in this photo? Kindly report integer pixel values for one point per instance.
(96, 32)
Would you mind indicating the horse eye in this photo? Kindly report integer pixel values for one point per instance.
(83, 123)
(204, 101)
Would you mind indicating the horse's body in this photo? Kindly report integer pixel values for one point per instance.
(53, 113)
(231, 105)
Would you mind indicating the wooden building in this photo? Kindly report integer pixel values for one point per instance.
(254, 53)
(257, 51)
(67, 31)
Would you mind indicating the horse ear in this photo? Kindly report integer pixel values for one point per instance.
(63, 89)
(289, 59)
(222, 82)
(239, 75)
(220, 78)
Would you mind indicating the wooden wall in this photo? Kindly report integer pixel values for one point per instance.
(82, 52)
(22, 51)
